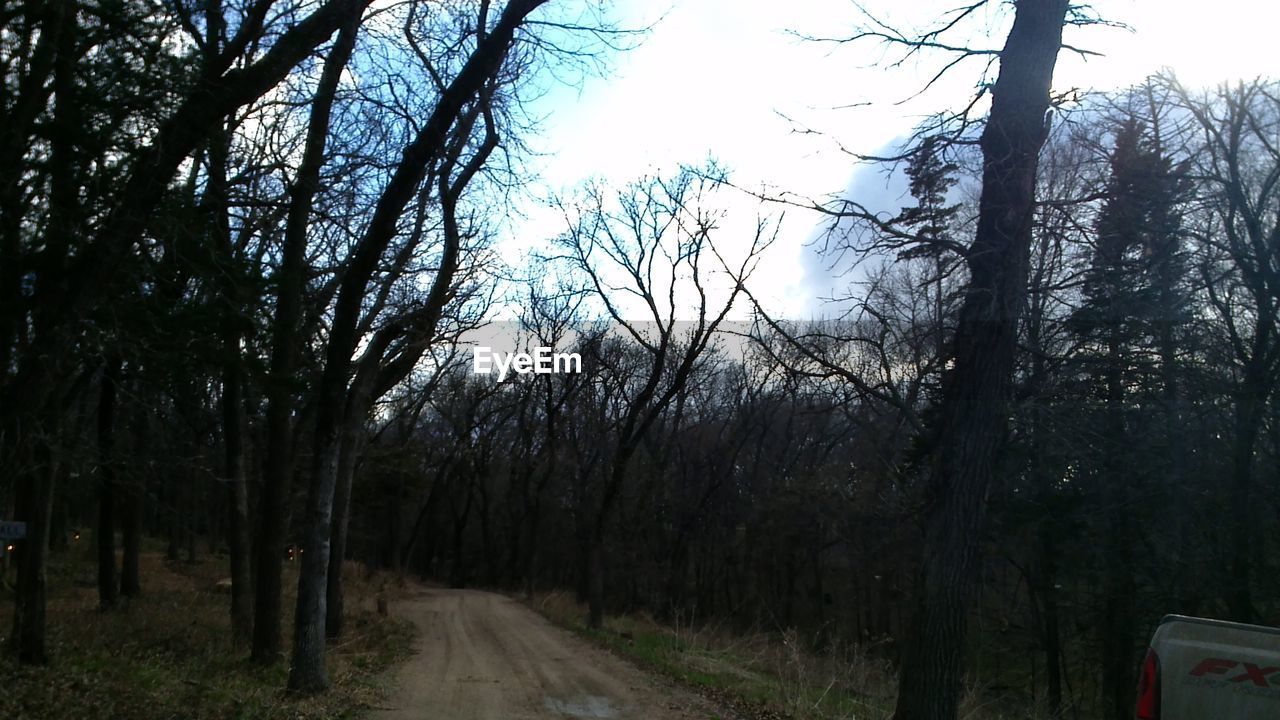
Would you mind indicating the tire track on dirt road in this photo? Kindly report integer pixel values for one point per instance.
(484, 656)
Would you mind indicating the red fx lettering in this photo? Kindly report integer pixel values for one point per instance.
(1213, 666)
(1256, 674)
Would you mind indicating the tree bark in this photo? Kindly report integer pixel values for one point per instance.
(1045, 586)
(35, 507)
(237, 503)
(105, 533)
(30, 424)
(1051, 631)
(232, 401)
(1248, 422)
(1117, 641)
(131, 516)
(335, 607)
(595, 586)
(1176, 437)
(286, 347)
(976, 392)
(175, 493)
(191, 499)
(308, 672)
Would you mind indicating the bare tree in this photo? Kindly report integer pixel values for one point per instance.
(645, 249)
(1237, 160)
(977, 389)
(79, 268)
(458, 104)
(976, 392)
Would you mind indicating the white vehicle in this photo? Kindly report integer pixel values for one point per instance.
(1200, 669)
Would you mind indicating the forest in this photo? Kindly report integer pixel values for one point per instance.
(247, 246)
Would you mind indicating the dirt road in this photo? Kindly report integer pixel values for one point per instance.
(482, 656)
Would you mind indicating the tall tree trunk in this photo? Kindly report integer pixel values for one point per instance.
(308, 673)
(34, 505)
(105, 534)
(59, 525)
(1176, 442)
(425, 519)
(1117, 627)
(974, 408)
(1045, 587)
(32, 439)
(428, 147)
(1051, 631)
(335, 607)
(595, 585)
(192, 507)
(24, 104)
(531, 555)
(487, 544)
(395, 515)
(232, 402)
(285, 348)
(458, 570)
(131, 514)
(175, 494)
(595, 552)
(237, 503)
(1248, 422)
(583, 540)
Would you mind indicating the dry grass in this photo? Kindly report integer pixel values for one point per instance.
(762, 675)
(169, 654)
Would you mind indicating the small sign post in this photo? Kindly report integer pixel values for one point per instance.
(12, 530)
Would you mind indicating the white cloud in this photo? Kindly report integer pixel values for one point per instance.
(715, 76)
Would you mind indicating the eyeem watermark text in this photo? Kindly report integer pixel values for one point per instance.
(543, 361)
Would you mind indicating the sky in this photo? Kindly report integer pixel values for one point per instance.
(730, 79)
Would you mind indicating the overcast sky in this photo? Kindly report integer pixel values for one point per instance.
(720, 78)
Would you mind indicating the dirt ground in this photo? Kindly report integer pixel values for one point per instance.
(482, 656)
